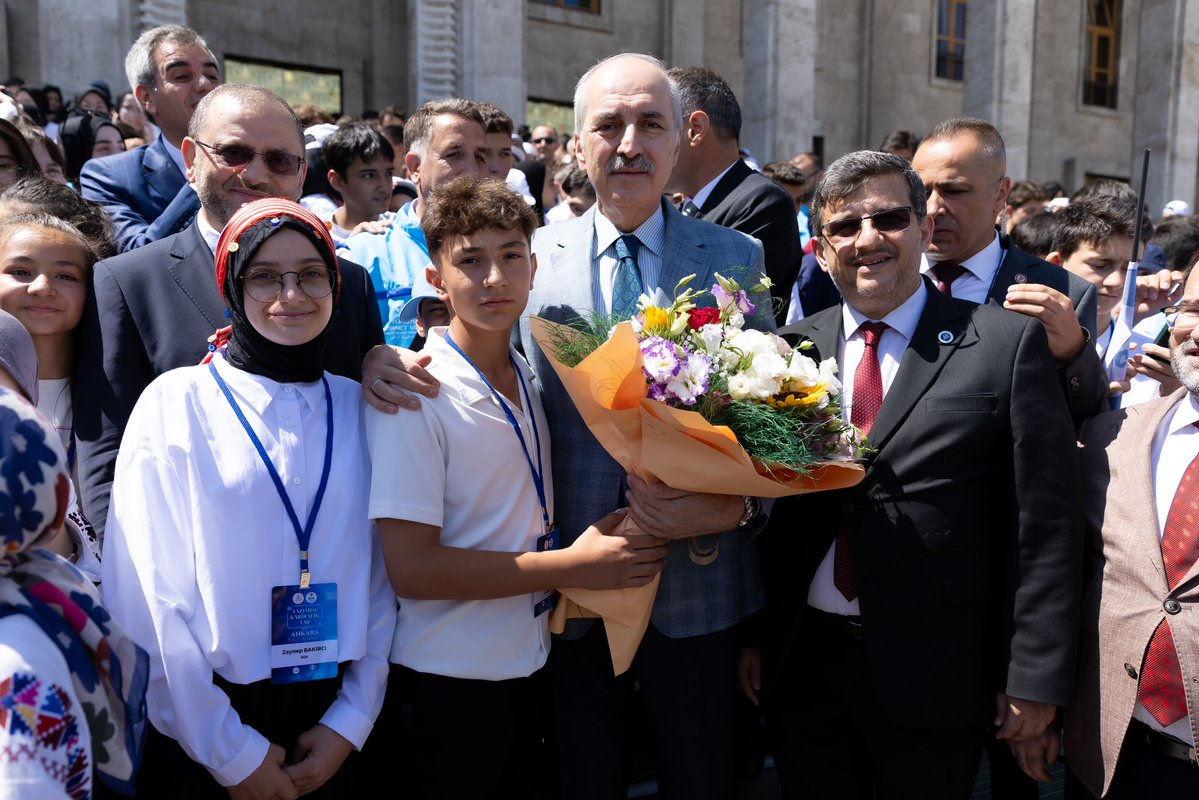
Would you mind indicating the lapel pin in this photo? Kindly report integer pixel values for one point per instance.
(1021, 277)
(945, 337)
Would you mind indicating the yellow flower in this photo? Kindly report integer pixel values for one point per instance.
(657, 320)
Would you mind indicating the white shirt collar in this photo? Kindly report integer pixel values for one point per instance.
(463, 377)
(175, 153)
(902, 320)
(258, 392)
(210, 234)
(1186, 414)
(982, 265)
(649, 232)
(701, 196)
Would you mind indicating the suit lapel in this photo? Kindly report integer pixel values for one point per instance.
(162, 175)
(923, 360)
(826, 332)
(194, 270)
(725, 186)
(682, 255)
(572, 284)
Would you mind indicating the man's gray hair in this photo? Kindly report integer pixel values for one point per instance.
(418, 130)
(247, 93)
(581, 89)
(849, 173)
(139, 62)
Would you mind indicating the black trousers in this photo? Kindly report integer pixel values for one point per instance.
(833, 741)
(689, 691)
(442, 738)
(1008, 781)
(1143, 774)
(280, 713)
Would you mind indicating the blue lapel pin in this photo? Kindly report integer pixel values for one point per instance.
(945, 337)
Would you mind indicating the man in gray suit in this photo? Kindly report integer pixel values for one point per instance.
(627, 120)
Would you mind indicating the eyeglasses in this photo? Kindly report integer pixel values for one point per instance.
(545, 140)
(1182, 317)
(279, 162)
(266, 285)
(893, 220)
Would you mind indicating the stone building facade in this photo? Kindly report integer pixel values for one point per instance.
(824, 75)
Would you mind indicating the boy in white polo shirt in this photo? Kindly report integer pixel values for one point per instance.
(464, 500)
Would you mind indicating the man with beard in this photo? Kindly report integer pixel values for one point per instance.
(156, 308)
(897, 608)
(1130, 729)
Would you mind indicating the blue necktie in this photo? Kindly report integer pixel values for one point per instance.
(627, 286)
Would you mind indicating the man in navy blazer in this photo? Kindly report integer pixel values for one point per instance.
(145, 191)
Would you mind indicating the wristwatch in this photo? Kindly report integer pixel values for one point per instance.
(753, 507)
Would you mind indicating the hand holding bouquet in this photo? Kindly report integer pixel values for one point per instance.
(687, 395)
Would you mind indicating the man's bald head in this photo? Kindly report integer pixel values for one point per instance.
(247, 96)
(991, 149)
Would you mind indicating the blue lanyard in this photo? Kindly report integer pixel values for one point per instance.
(537, 472)
(303, 534)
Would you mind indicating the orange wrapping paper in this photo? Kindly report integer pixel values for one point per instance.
(657, 443)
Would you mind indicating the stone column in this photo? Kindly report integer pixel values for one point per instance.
(493, 54)
(684, 29)
(1167, 101)
(778, 108)
(74, 49)
(1000, 35)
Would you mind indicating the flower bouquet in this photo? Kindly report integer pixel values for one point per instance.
(687, 395)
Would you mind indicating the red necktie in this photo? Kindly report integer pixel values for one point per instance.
(1160, 689)
(945, 273)
(867, 399)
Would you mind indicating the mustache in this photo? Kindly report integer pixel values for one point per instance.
(619, 163)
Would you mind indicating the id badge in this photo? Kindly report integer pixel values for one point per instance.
(548, 541)
(303, 633)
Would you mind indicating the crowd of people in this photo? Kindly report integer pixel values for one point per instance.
(289, 486)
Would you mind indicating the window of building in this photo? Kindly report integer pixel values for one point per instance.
(951, 39)
(590, 6)
(1102, 65)
(294, 83)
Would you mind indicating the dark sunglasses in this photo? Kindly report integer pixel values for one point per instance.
(545, 140)
(893, 220)
(279, 162)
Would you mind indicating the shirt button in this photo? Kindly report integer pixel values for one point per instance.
(297, 480)
(295, 548)
(288, 389)
(1130, 669)
(1172, 606)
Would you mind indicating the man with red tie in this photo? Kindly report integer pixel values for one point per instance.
(963, 162)
(900, 607)
(1130, 730)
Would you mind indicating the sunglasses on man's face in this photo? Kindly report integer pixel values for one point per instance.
(544, 140)
(279, 162)
(893, 220)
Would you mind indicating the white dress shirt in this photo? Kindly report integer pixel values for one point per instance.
(703, 194)
(197, 537)
(474, 484)
(901, 322)
(652, 234)
(975, 283)
(1175, 446)
(35, 765)
(211, 235)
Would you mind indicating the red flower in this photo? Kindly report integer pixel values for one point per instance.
(699, 317)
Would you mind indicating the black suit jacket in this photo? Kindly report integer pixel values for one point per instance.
(816, 289)
(751, 203)
(966, 533)
(1083, 379)
(152, 310)
(535, 174)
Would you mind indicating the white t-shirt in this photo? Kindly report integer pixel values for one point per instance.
(54, 401)
(42, 758)
(456, 464)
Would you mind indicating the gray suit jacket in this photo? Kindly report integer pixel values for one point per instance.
(588, 483)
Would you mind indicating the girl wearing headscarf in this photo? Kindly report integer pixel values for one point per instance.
(86, 136)
(239, 550)
(72, 685)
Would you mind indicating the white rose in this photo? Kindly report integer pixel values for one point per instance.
(803, 371)
(828, 374)
(710, 337)
(740, 386)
